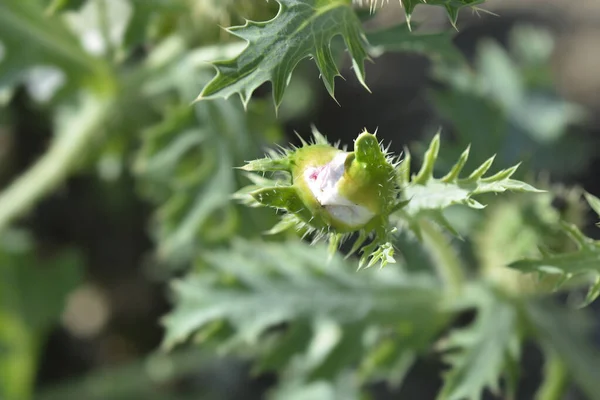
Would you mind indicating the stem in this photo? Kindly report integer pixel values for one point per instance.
(444, 257)
(555, 378)
(54, 166)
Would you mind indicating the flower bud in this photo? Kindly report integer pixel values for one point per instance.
(332, 189)
(333, 192)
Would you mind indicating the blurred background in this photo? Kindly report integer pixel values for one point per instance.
(84, 275)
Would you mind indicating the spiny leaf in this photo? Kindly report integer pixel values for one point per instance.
(458, 167)
(186, 166)
(399, 38)
(327, 315)
(481, 350)
(426, 193)
(275, 283)
(481, 170)
(452, 7)
(301, 29)
(513, 228)
(585, 260)
(426, 172)
(384, 254)
(404, 169)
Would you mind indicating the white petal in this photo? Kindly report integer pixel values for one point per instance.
(323, 183)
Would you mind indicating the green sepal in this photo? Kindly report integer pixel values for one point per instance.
(289, 199)
(279, 197)
(369, 178)
(267, 164)
(368, 151)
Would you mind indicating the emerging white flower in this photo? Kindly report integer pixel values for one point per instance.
(333, 194)
(324, 183)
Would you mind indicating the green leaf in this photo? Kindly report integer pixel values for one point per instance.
(512, 228)
(271, 284)
(301, 29)
(568, 334)
(107, 21)
(32, 296)
(64, 5)
(344, 386)
(29, 39)
(399, 38)
(452, 7)
(594, 202)
(481, 351)
(513, 100)
(427, 193)
(584, 261)
(191, 194)
(186, 163)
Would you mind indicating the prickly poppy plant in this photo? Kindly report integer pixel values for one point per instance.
(330, 193)
(465, 236)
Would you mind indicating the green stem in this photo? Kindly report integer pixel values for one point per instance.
(555, 378)
(55, 165)
(444, 257)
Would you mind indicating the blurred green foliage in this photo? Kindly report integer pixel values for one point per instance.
(510, 99)
(116, 80)
(33, 292)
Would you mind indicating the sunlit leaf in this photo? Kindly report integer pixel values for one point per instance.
(480, 352)
(301, 29)
(426, 193)
(584, 261)
(271, 284)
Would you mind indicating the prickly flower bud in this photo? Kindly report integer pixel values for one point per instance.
(333, 192)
